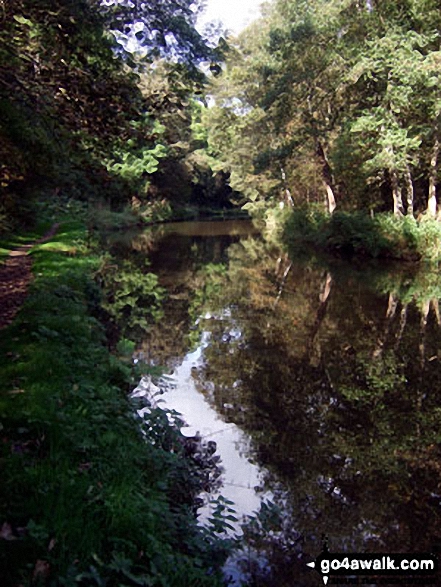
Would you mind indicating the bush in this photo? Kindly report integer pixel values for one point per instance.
(102, 218)
(357, 234)
(305, 226)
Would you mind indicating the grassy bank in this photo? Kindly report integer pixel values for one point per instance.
(89, 494)
(360, 235)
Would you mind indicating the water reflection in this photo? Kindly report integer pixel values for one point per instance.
(241, 479)
(333, 373)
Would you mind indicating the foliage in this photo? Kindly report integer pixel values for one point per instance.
(304, 225)
(158, 29)
(381, 236)
(89, 493)
(132, 296)
(102, 218)
(355, 234)
(76, 116)
(330, 99)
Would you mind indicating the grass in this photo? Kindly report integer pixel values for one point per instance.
(11, 242)
(88, 493)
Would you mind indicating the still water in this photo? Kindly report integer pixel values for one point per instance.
(320, 384)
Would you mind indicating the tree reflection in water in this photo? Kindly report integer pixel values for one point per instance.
(335, 375)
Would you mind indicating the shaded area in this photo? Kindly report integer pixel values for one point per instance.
(89, 494)
(15, 276)
(333, 372)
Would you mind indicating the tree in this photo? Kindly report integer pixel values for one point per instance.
(72, 111)
(346, 94)
(237, 129)
(157, 29)
(390, 128)
(289, 77)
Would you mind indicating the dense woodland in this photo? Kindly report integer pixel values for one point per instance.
(126, 102)
(337, 98)
(96, 104)
(323, 119)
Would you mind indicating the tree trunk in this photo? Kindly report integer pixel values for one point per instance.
(409, 191)
(435, 305)
(288, 196)
(313, 352)
(328, 180)
(396, 189)
(432, 204)
(403, 320)
(330, 198)
(396, 194)
(392, 305)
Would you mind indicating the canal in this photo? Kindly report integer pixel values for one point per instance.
(318, 382)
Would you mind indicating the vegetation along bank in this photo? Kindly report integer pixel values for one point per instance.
(89, 134)
(89, 494)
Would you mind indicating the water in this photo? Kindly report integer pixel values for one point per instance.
(320, 384)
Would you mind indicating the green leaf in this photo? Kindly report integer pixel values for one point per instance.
(22, 20)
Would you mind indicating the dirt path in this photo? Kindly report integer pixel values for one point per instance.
(15, 276)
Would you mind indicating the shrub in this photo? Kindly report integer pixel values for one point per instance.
(357, 234)
(304, 226)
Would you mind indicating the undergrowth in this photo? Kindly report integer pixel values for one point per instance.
(360, 235)
(89, 494)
